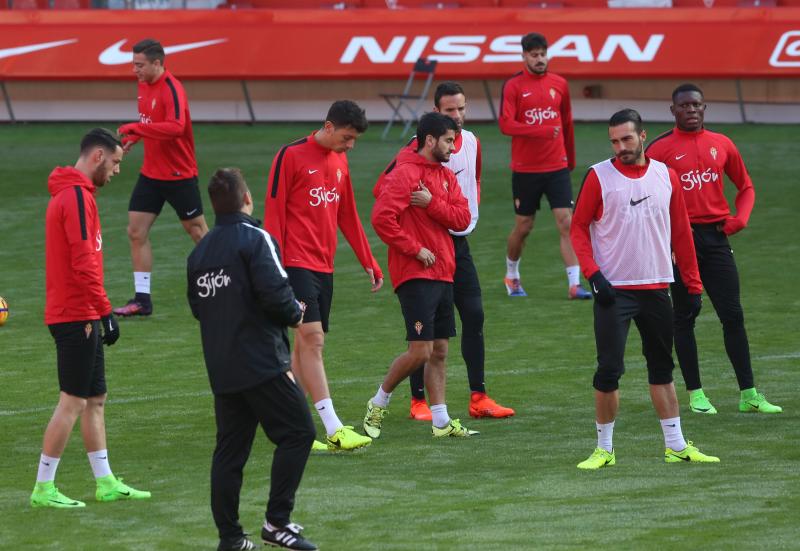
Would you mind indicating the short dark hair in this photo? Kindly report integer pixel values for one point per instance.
(533, 41)
(688, 87)
(626, 115)
(151, 48)
(434, 124)
(448, 88)
(227, 190)
(345, 113)
(99, 137)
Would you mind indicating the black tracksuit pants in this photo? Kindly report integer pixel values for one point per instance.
(721, 281)
(280, 407)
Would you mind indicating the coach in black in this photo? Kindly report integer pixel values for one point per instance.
(239, 291)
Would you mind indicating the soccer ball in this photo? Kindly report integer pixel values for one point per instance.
(3, 311)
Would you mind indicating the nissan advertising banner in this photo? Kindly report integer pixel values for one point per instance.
(468, 43)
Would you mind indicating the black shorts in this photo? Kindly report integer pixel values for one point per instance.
(528, 188)
(427, 307)
(315, 290)
(651, 310)
(81, 365)
(149, 195)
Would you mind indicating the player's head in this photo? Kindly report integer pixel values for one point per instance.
(627, 136)
(148, 60)
(436, 134)
(688, 107)
(344, 123)
(229, 193)
(101, 154)
(449, 99)
(534, 53)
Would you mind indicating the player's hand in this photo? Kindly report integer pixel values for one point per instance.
(422, 197)
(426, 257)
(302, 306)
(731, 226)
(695, 305)
(110, 329)
(602, 290)
(128, 142)
(127, 129)
(376, 283)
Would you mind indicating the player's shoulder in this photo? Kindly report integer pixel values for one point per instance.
(295, 147)
(514, 79)
(557, 79)
(718, 137)
(662, 141)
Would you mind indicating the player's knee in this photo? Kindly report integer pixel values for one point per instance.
(607, 380)
(563, 222)
(71, 405)
(732, 319)
(420, 351)
(684, 320)
(524, 226)
(472, 318)
(137, 234)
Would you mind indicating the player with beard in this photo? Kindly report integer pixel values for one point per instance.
(78, 315)
(702, 158)
(465, 162)
(535, 110)
(630, 209)
(417, 204)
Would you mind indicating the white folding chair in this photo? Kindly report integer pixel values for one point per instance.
(406, 105)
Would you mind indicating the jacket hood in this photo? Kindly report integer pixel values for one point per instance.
(63, 177)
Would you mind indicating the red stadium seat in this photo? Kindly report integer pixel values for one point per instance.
(29, 4)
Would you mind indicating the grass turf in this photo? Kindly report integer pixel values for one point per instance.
(514, 486)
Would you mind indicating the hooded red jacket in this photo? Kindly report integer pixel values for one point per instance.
(406, 229)
(74, 250)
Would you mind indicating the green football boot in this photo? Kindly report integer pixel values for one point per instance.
(373, 420)
(699, 403)
(599, 458)
(45, 494)
(110, 488)
(753, 402)
(453, 429)
(690, 454)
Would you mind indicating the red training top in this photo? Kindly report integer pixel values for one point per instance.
(700, 159)
(589, 208)
(531, 106)
(166, 126)
(74, 250)
(406, 229)
(309, 195)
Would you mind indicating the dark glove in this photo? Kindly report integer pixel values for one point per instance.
(110, 329)
(695, 304)
(602, 290)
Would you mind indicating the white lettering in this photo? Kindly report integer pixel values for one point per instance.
(373, 50)
(506, 48)
(416, 48)
(459, 48)
(144, 119)
(321, 196)
(210, 282)
(572, 45)
(696, 178)
(99, 240)
(537, 115)
(627, 44)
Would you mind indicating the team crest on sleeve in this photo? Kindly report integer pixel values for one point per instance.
(418, 327)
(553, 93)
(338, 175)
(713, 152)
(87, 329)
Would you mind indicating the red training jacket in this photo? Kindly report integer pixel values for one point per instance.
(589, 207)
(309, 195)
(166, 126)
(406, 229)
(701, 160)
(531, 106)
(74, 250)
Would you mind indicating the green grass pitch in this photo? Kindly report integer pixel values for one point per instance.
(513, 487)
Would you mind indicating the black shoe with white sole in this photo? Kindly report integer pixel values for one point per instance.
(287, 537)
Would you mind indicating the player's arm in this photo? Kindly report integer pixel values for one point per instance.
(510, 126)
(78, 221)
(681, 237)
(452, 209)
(478, 166)
(353, 231)
(174, 100)
(588, 208)
(191, 290)
(270, 282)
(390, 204)
(746, 194)
(568, 127)
(279, 184)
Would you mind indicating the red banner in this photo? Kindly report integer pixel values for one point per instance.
(354, 44)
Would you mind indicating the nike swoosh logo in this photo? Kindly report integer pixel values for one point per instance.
(113, 55)
(459, 172)
(679, 157)
(191, 212)
(526, 94)
(312, 171)
(673, 425)
(21, 50)
(634, 203)
(679, 457)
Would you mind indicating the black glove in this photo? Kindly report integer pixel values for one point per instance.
(695, 304)
(110, 329)
(602, 290)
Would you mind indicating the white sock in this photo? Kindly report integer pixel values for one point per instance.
(328, 416)
(141, 280)
(381, 398)
(574, 275)
(440, 416)
(673, 436)
(605, 436)
(47, 468)
(99, 462)
(512, 268)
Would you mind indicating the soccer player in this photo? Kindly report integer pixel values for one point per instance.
(629, 210)
(309, 195)
(169, 171)
(78, 314)
(239, 291)
(419, 202)
(465, 162)
(535, 110)
(702, 158)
